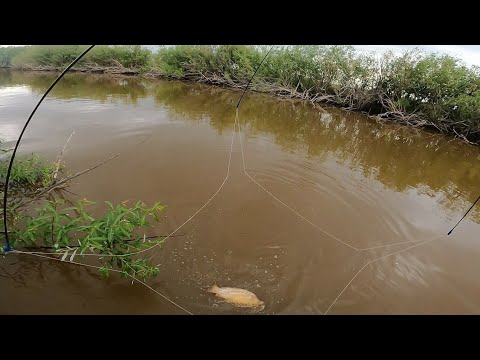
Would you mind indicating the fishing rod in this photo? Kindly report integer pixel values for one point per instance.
(255, 73)
(463, 217)
(7, 246)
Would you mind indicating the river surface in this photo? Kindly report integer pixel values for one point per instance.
(323, 193)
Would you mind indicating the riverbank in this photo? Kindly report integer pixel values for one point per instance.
(416, 89)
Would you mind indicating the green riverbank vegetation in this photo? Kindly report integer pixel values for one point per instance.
(41, 218)
(418, 89)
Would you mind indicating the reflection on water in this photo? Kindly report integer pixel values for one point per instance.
(401, 158)
(389, 183)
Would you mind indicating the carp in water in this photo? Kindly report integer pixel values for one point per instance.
(237, 297)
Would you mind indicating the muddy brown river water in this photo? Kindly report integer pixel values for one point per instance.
(323, 194)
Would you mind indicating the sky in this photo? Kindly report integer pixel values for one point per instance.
(470, 54)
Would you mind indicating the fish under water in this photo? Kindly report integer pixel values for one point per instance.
(237, 297)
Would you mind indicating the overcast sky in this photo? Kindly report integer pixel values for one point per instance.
(470, 54)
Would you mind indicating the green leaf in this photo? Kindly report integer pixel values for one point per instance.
(59, 234)
(124, 232)
(98, 238)
(104, 272)
(110, 235)
(65, 216)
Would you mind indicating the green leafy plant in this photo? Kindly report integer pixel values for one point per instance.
(73, 231)
(28, 171)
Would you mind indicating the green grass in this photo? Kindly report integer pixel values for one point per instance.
(27, 171)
